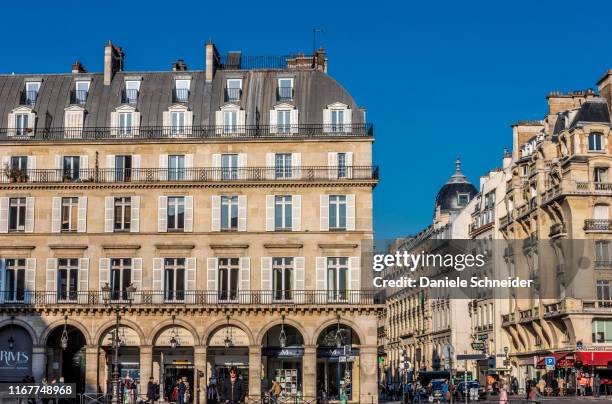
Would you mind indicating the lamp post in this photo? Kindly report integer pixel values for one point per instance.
(118, 306)
(282, 336)
(173, 339)
(64, 338)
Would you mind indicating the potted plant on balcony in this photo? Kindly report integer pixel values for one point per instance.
(66, 177)
(10, 174)
(22, 176)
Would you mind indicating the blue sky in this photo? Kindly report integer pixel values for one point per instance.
(438, 78)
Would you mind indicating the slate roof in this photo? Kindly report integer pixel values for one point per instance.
(593, 110)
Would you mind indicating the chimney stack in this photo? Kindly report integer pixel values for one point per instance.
(212, 60)
(113, 62)
(77, 67)
(604, 85)
(179, 66)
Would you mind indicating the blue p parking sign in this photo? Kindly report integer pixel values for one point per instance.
(550, 363)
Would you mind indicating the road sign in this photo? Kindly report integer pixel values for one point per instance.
(478, 346)
(471, 357)
(550, 363)
(506, 363)
(483, 337)
(346, 359)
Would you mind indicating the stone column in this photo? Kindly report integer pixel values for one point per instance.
(39, 359)
(309, 372)
(146, 365)
(254, 371)
(91, 369)
(368, 386)
(200, 377)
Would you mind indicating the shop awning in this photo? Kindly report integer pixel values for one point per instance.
(595, 358)
(562, 359)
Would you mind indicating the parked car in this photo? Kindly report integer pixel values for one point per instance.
(460, 390)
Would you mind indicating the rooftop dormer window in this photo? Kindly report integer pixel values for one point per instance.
(30, 93)
(595, 142)
(463, 199)
(181, 90)
(285, 89)
(21, 122)
(233, 90)
(79, 95)
(130, 94)
(337, 118)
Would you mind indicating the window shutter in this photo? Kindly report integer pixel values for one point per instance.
(219, 121)
(136, 123)
(2, 275)
(137, 277)
(354, 279)
(190, 283)
(242, 165)
(163, 167)
(601, 212)
(114, 123)
(158, 280)
(188, 161)
(51, 278)
(273, 122)
(104, 272)
(242, 212)
(296, 165)
(270, 166)
(135, 223)
(216, 165)
(188, 213)
(188, 122)
(31, 122)
(136, 175)
(166, 122)
(326, 120)
(4, 212)
(294, 121)
(11, 124)
(270, 217)
(110, 168)
(324, 213)
(296, 213)
(332, 165)
(320, 273)
(58, 163)
(266, 279)
(82, 223)
(162, 214)
(216, 213)
(56, 215)
(30, 275)
(32, 166)
(212, 266)
(245, 279)
(348, 120)
(109, 214)
(241, 121)
(350, 212)
(83, 279)
(29, 219)
(84, 165)
(300, 279)
(349, 165)
(190, 173)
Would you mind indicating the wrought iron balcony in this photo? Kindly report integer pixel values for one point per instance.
(603, 264)
(193, 298)
(180, 95)
(78, 97)
(129, 96)
(200, 132)
(195, 174)
(233, 94)
(28, 97)
(604, 225)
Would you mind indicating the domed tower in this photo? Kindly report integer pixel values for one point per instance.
(453, 196)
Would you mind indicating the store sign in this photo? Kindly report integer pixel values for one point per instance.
(478, 346)
(15, 361)
(335, 352)
(287, 352)
(483, 337)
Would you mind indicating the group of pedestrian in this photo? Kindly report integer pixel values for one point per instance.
(230, 391)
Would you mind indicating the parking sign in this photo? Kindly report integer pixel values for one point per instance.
(550, 363)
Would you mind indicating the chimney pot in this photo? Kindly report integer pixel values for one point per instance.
(113, 62)
(77, 67)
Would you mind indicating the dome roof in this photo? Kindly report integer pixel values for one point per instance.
(449, 198)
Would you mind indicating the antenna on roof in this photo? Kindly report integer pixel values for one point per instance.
(314, 38)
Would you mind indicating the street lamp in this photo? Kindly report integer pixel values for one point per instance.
(11, 340)
(173, 340)
(282, 337)
(64, 338)
(228, 340)
(118, 306)
(339, 337)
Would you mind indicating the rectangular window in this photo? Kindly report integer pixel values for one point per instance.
(285, 89)
(602, 331)
(229, 270)
(229, 167)
(229, 213)
(123, 168)
(125, 123)
(600, 175)
(71, 168)
(595, 141)
(81, 89)
(337, 278)
(463, 199)
(132, 87)
(18, 164)
(341, 165)
(282, 166)
(603, 254)
(176, 167)
(15, 280)
(233, 90)
(176, 213)
(67, 278)
(337, 212)
(181, 88)
(230, 121)
(21, 124)
(70, 214)
(32, 89)
(123, 214)
(282, 278)
(121, 277)
(283, 120)
(17, 214)
(337, 120)
(178, 122)
(282, 212)
(174, 279)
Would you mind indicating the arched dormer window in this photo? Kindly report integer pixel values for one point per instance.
(337, 117)
(125, 121)
(74, 117)
(284, 119)
(177, 121)
(21, 121)
(230, 119)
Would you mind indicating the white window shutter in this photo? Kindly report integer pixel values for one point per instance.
(349, 165)
(321, 269)
(2, 276)
(4, 212)
(30, 274)
(114, 122)
(324, 216)
(29, 219)
(83, 279)
(241, 121)
(294, 121)
(296, 165)
(136, 123)
(350, 212)
(158, 279)
(296, 213)
(84, 164)
(162, 214)
(110, 168)
(270, 166)
(188, 214)
(51, 276)
(31, 165)
(348, 120)
(245, 279)
(135, 223)
(354, 279)
(166, 121)
(242, 213)
(82, 222)
(300, 279)
(242, 165)
(273, 121)
(56, 215)
(270, 225)
(104, 272)
(188, 162)
(212, 266)
(58, 163)
(219, 120)
(109, 214)
(216, 213)
(266, 279)
(191, 272)
(11, 124)
(136, 175)
(163, 167)
(216, 160)
(332, 165)
(326, 120)
(188, 122)
(31, 121)
(137, 273)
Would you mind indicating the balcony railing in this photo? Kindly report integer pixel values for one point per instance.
(202, 174)
(129, 96)
(233, 94)
(603, 264)
(191, 298)
(78, 97)
(28, 97)
(598, 225)
(142, 133)
(180, 95)
(284, 94)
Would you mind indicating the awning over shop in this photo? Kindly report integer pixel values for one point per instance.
(593, 358)
(562, 359)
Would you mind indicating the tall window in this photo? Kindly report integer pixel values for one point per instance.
(595, 141)
(67, 278)
(600, 174)
(604, 292)
(123, 168)
(21, 123)
(285, 89)
(337, 212)
(17, 214)
(233, 90)
(282, 212)
(229, 167)
(182, 90)
(123, 214)
(282, 277)
(337, 278)
(602, 330)
(229, 213)
(337, 120)
(18, 164)
(71, 169)
(176, 167)
(81, 89)
(341, 165)
(603, 254)
(15, 279)
(121, 277)
(176, 213)
(601, 212)
(178, 122)
(283, 120)
(125, 123)
(282, 165)
(230, 121)
(174, 278)
(229, 271)
(131, 91)
(32, 89)
(70, 214)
